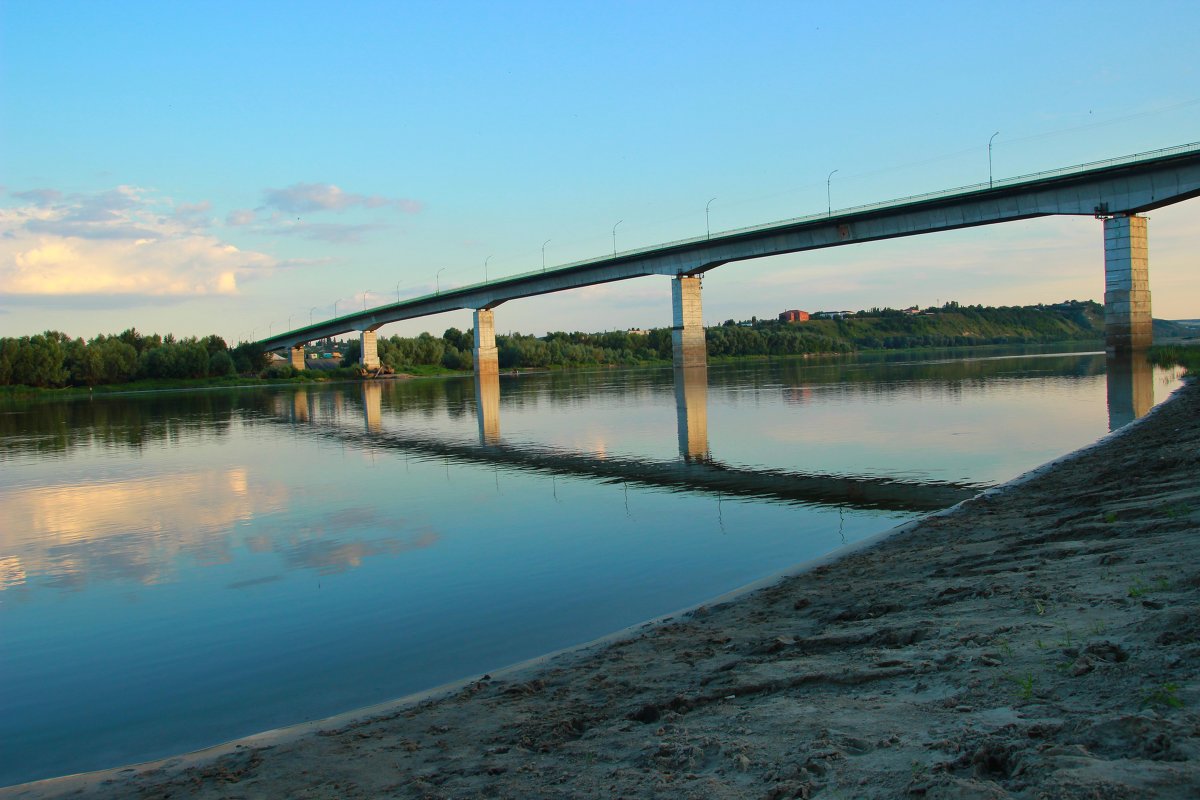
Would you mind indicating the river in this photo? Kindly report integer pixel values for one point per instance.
(182, 568)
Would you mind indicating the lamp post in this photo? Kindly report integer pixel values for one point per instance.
(828, 196)
(289, 322)
(618, 222)
(310, 313)
(365, 299)
(335, 302)
(397, 291)
(707, 229)
(437, 285)
(489, 258)
(994, 135)
(544, 254)
(270, 325)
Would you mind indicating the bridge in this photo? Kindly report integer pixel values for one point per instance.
(1116, 191)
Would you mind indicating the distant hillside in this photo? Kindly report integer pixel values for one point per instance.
(1176, 329)
(951, 325)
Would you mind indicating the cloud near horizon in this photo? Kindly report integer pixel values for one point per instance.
(303, 198)
(120, 242)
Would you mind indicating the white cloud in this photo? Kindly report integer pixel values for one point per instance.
(303, 198)
(122, 242)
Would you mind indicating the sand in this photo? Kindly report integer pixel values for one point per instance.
(1040, 640)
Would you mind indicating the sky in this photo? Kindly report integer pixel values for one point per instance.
(243, 168)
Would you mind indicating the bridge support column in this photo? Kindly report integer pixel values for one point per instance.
(369, 351)
(298, 357)
(1127, 324)
(487, 360)
(687, 328)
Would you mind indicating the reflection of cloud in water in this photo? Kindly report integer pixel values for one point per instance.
(321, 543)
(11, 573)
(331, 555)
(139, 530)
(130, 530)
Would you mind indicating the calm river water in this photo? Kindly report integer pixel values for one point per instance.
(179, 569)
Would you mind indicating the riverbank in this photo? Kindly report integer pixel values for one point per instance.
(1041, 640)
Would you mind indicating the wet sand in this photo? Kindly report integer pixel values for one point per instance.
(1041, 640)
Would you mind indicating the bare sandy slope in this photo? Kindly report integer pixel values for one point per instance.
(1039, 641)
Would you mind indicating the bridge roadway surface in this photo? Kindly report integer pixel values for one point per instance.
(1116, 187)
(694, 475)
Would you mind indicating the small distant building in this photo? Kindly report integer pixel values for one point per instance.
(912, 310)
(638, 331)
(832, 314)
(795, 315)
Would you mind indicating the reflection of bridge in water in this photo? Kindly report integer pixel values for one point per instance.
(1130, 383)
(1130, 393)
(695, 470)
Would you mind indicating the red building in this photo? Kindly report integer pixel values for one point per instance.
(795, 315)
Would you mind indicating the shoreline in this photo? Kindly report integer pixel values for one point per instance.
(764, 692)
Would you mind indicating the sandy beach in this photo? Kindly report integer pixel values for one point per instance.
(1041, 640)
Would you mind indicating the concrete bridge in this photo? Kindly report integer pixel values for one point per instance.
(1116, 192)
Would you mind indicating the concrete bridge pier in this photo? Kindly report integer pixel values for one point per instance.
(1127, 323)
(369, 350)
(687, 326)
(691, 412)
(298, 357)
(487, 360)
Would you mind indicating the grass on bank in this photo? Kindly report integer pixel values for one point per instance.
(1176, 355)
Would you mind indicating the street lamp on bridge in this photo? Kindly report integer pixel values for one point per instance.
(544, 254)
(994, 135)
(828, 196)
(310, 313)
(437, 285)
(618, 222)
(707, 229)
(489, 258)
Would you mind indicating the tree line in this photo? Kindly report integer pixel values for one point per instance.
(53, 359)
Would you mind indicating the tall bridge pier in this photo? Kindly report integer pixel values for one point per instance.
(486, 356)
(687, 329)
(369, 349)
(1127, 322)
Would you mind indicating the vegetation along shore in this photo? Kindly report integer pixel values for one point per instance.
(55, 360)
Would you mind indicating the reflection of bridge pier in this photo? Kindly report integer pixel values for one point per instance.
(300, 405)
(372, 396)
(487, 406)
(691, 412)
(1130, 381)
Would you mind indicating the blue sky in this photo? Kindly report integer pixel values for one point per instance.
(232, 167)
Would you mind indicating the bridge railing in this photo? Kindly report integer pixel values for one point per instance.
(1148, 155)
